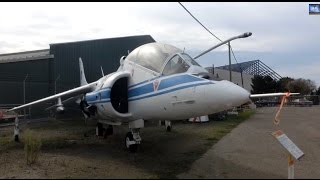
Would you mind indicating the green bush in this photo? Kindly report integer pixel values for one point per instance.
(32, 146)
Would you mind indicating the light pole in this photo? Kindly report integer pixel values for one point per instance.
(24, 95)
(229, 61)
(245, 35)
(55, 85)
(241, 76)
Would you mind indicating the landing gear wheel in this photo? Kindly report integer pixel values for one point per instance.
(85, 134)
(129, 145)
(99, 130)
(168, 128)
(109, 130)
(16, 138)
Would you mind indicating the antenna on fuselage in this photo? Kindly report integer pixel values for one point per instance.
(102, 71)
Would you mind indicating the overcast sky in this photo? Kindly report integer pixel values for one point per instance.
(285, 37)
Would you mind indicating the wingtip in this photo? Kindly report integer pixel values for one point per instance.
(293, 94)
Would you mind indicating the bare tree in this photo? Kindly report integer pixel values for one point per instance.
(302, 86)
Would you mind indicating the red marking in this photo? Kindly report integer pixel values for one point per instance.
(156, 85)
(195, 119)
(1, 114)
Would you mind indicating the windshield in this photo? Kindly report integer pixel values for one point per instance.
(152, 55)
(189, 59)
(175, 65)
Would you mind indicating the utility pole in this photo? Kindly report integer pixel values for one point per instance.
(229, 62)
(24, 96)
(213, 69)
(241, 75)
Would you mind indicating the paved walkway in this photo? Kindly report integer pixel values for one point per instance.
(250, 151)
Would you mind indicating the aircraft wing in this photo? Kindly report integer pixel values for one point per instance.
(75, 98)
(71, 92)
(271, 95)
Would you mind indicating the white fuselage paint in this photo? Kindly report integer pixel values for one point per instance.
(174, 97)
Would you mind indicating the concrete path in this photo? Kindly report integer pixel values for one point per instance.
(250, 151)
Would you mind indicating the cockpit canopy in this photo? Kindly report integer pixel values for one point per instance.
(162, 58)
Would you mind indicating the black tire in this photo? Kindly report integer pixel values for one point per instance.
(132, 147)
(16, 138)
(85, 134)
(168, 128)
(100, 129)
(109, 130)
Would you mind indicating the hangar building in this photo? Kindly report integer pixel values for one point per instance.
(42, 72)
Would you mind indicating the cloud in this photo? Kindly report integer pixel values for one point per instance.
(284, 36)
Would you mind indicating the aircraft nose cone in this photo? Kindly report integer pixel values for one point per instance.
(221, 95)
(235, 94)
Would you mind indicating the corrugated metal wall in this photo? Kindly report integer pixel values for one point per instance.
(94, 53)
(12, 76)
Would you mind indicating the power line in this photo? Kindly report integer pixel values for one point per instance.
(233, 54)
(199, 22)
(208, 31)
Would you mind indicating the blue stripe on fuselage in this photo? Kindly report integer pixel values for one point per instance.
(171, 90)
(105, 94)
(141, 90)
(94, 96)
(176, 80)
(144, 81)
(163, 84)
(146, 89)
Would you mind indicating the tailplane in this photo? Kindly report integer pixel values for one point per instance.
(83, 80)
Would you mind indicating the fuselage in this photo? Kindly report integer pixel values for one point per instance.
(153, 95)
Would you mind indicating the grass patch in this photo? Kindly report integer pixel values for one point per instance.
(162, 154)
(5, 140)
(187, 143)
(32, 146)
(210, 135)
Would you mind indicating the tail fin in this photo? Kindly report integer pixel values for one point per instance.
(83, 80)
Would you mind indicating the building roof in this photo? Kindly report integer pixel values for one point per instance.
(45, 53)
(113, 38)
(255, 67)
(26, 56)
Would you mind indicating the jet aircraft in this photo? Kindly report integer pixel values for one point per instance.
(155, 81)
